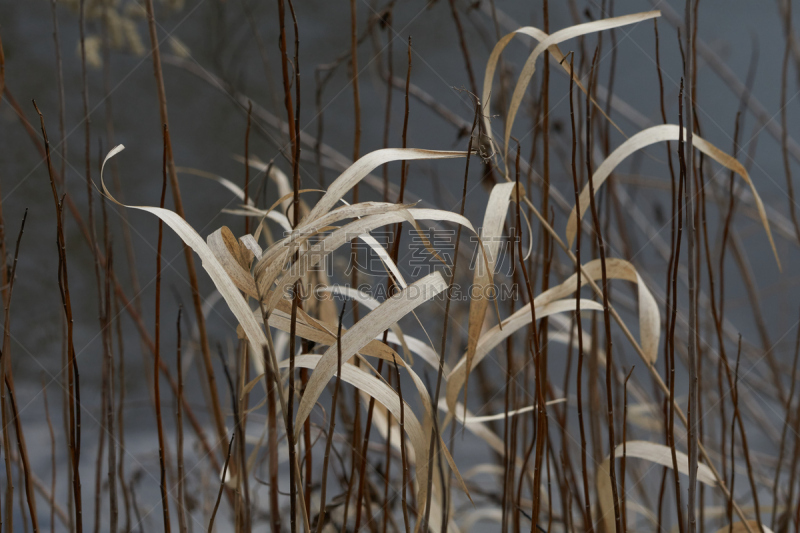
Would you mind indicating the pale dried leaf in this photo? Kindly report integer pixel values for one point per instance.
(649, 315)
(567, 33)
(663, 133)
(487, 342)
(650, 451)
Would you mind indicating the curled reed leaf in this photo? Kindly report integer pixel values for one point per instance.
(361, 168)
(649, 316)
(490, 238)
(372, 304)
(383, 394)
(666, 132)
(365, 331)
(650, 451)
(487, 342)
(338, 238)
(567, 33)
(322, 333)
(222, 280)
(555, 52)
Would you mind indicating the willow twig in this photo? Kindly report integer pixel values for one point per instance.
(157, 335)
(606, 314)
(179, 428)
(176, 197)
(331, 425)
(221, 485)
(587, 502)
(73, 377)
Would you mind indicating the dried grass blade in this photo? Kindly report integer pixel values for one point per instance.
(649, 316)
(666, 132)
(382, 393)
(489, 340)
(212, 266)
(338, 238)
(556, 38)
(361, 168)
(491, 233)
(557, 56)
(321, 333)
(650, 451)
(364, 331)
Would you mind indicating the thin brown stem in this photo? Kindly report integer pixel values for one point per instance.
(403, 456)
(113, 503)
(60, 87)
(362, 469)
(177, 199)
(73, 377)
(247, 165)
(356, 91)
(784, 123)
(287, 91)
(671, 334)
(121, 418)
(462, 42)
(540, 412)
(157, 336)
(295, 481)
(692, 282)
(389, 90)
(587, 505)
(221, 485)
(440, 367)
(606, 313)
(624, 452)
(179, 429)
(8, 379)
(272, 430)
(331, 424)
(52, 455)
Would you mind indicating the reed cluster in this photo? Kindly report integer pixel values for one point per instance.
(533, 372)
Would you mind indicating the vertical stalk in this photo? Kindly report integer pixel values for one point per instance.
(389, 90)
(671, 335)
(73, 377)
(221, 485)
(272, 431)
(113, 503)
(624, 450)
(606, 313)
(247, 164)
(356, 92)
(331, 424)
(4, 270)
(787, 16)
(536, 353)
(294, 471)
(587, 501)
(52, 455)
(179, 429)
(403, 456)
(120, 418)
(440, 370)
(692, 281)
(157, 335)
(176, 197)
(357, 460)
(8, 380)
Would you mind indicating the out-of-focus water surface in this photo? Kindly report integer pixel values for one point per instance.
(208, 129)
